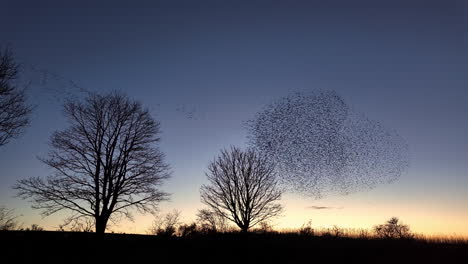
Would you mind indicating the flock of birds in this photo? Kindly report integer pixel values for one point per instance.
(320, 145)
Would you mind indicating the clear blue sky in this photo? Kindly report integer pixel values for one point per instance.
(204, 67)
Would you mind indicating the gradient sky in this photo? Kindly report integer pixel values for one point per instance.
(205, 67)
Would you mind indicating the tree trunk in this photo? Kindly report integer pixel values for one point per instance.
(101, 223)
(244, 229)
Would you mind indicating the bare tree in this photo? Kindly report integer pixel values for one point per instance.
(166, 225)
(14, 112)
(8, 219)
(210, 221)
(106, 162)
(242, 188)
(393, 229)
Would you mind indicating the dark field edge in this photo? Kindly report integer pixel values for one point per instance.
(75, 247)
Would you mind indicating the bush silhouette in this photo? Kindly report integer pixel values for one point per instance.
(306, 229)
(166, 225)
(393, 229)
(264, 228)
(335, 231)
(188, 230)
(211, 222)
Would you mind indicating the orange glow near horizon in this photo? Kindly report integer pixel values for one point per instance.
(441, 215)
(436, 222)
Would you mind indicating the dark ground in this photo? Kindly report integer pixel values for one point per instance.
(67, 247)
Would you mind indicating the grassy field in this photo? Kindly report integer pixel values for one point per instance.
(75, 247)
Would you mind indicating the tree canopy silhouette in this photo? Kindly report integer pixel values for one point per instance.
(321, 145)
(242, 188)
(105, 163)
(14, 112)
(393, 229)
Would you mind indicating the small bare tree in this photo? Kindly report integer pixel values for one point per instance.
(166, 225)
(242, 188)
(393, 229)
(8, 219)
(14, 112)
(210, 221)
(106, 162)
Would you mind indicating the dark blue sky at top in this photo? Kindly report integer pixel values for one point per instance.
(403, 63)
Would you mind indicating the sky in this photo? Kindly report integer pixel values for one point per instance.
(203, 68)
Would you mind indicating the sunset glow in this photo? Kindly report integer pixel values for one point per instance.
(361, 107)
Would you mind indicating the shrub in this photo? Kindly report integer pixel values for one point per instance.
(34, 227)
(336, 231)
(393, 229)
(188, 230)
(166, 225)
(211, 222)
(306, 229)
(264, 228)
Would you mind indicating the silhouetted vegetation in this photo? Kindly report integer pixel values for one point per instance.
(242, 188)
(211, 221)
(264, 228)
(34, 227)
(166, 225)
(393, 229)
(78, 225)
(306, 229)
(14, 111)
(8, 219)
(231, 247)
(106, 162)
(186, 230)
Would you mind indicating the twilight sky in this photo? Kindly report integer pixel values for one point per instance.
(205, 67)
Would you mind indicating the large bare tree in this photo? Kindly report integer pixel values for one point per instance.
(106, 162)
(242, 188)
(14, 112)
